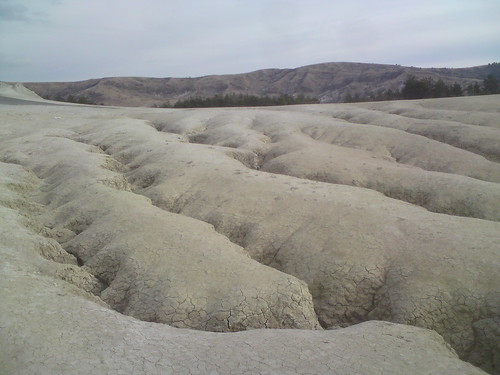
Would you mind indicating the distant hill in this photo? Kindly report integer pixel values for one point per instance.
(328, 82)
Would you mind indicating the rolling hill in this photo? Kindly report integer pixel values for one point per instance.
(328, 82)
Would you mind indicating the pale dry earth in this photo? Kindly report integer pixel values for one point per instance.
(128, 233)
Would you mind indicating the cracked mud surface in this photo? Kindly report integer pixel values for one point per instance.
(223, 220)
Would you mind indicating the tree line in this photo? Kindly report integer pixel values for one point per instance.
(423, 88)
(233, 100)
(71, 99)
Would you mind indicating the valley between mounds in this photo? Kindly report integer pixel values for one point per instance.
(364, 237)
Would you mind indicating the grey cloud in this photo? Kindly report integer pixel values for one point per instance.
(74, 39)
(24, 12)
(13, 12)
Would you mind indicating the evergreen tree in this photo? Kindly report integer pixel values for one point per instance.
(491, 85)
(417, 88)
(456, 90)
(474, 89)
(440, 89)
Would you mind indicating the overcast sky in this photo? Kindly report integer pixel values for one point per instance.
(69, 40)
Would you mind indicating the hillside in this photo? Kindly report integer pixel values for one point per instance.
(329, 82)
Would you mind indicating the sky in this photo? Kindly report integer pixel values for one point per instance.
(71, 40)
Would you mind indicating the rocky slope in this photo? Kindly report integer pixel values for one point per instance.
(119, 226)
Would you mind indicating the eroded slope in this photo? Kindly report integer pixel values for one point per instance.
(50, 325)
(158, 214)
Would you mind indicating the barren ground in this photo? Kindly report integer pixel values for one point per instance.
(347, 239)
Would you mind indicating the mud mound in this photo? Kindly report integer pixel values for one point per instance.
(229, 219)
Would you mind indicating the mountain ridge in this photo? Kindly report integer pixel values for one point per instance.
(327, 82)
